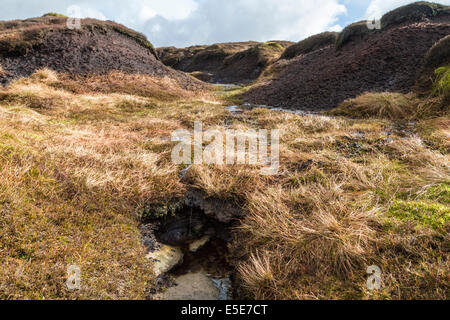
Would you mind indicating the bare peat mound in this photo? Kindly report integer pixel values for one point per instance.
(234, 62)
(390, 59)
(99, 47)
(310, 44)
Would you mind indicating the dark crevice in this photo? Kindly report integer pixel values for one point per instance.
(185, 227)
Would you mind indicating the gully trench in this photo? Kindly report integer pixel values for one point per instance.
(189, 250)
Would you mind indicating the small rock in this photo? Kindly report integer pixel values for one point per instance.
(196, 245)
(191, 286)
(225, 288)
(165, 259)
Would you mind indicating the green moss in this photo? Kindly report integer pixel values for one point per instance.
(442, 83)
(427, 213)
(132, 106)
(439, 193)
(274, 44)
(232, 95)
(161, 210)
(433, 136)
(54, 14)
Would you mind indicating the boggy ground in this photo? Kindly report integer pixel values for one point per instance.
(85, 160)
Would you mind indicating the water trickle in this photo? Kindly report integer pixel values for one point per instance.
(236, 109)
(202, 271)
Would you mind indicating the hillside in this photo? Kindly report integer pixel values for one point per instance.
(98, 48)
(236, 62)
(359, 61)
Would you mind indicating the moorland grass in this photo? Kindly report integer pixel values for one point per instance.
(82, 160)
(77, 170)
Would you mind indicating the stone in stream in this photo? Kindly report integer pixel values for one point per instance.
(198, 244)
(181, 229)
(191, 286)
(165, 259)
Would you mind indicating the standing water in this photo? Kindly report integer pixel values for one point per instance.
(189, 253)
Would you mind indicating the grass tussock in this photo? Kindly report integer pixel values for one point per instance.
(379, 105)
(2, 72)
(139, 85)
(398, 106)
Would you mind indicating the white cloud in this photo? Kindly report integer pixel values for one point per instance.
(377, 8)
(79, 12)
(242, 20)
(189, 22)
(147, 13)
(127, 10)
(133, 13)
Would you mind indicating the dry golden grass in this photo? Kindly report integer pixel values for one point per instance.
(311, 231)
(76, 171)
(81, 158)
(159, 88)
(379, 105)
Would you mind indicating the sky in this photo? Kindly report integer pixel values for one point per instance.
(183, 23)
